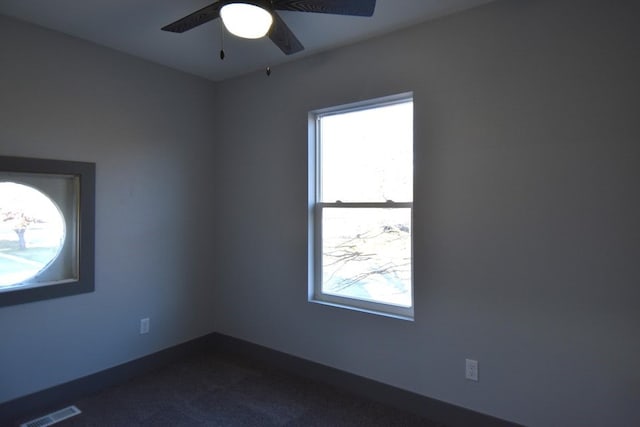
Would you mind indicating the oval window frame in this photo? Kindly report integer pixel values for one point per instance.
(78, 207)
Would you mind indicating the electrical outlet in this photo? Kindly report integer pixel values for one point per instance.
(144, 325)
(471, 370)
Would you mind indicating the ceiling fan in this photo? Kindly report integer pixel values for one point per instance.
(258, 18)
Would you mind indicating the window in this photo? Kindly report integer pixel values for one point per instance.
(46, 229)
(32, 233)
(361, 206)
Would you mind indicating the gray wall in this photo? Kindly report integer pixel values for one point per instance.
(526, 200)
(149, 129)
(526, 203)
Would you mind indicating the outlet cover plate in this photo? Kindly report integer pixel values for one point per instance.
(471, 369)
(144, 325)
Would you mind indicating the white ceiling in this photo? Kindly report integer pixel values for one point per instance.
(133, 26)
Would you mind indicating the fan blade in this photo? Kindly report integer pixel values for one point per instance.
(283, 37)
(199, 17)
(336, 7)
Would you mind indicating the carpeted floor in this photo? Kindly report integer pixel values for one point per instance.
(213, 390)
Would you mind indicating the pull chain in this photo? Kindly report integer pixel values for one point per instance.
(221, 41)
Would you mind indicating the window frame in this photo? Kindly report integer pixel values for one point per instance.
(316, 207)
(84, 243)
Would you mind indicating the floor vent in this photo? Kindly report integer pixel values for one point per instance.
(53, 417)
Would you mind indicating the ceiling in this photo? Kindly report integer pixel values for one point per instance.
(133, 27)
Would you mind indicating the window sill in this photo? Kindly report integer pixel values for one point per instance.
(362, 310)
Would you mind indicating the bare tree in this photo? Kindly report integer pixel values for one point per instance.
(20, 222)
(360, 248)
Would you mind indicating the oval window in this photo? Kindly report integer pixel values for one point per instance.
(32, 233)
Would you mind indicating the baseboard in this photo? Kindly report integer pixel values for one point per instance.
(66, 394)
(436, 410)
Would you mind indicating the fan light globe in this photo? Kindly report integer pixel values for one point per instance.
(246, 20)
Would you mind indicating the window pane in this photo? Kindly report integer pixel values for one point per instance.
(32, 232)
(367, 155)
(366, 254)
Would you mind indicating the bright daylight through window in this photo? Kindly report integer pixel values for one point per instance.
(32, 232)
(361, 188)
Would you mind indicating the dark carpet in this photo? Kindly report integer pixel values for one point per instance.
(215, 390)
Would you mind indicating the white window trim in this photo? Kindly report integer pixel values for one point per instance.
(315, 208)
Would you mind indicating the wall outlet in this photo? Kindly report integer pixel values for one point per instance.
(471, 370)
(144, 325)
